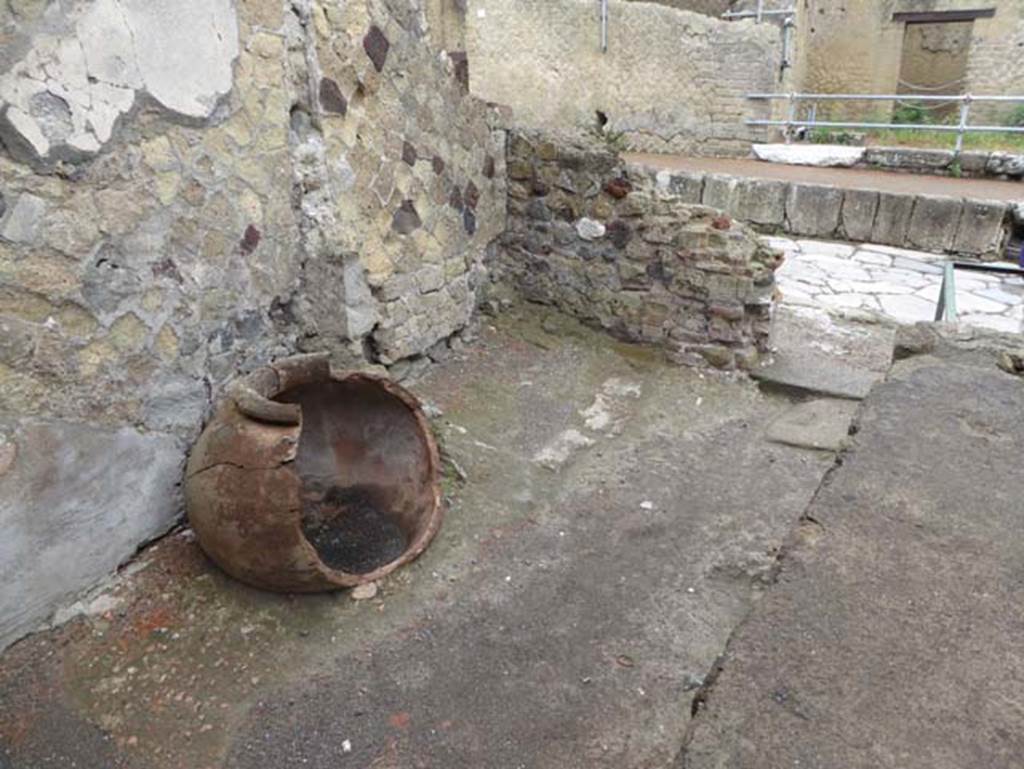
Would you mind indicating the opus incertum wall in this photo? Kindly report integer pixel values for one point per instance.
(190, 189)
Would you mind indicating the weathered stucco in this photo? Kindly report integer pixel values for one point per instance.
(89, 65)
(671, 80)
(317, 180)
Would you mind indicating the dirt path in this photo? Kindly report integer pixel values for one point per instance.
(847, 178)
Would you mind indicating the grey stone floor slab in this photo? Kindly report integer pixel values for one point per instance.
(822, 424)
(892, 638)
(565, 617)
(818, 353)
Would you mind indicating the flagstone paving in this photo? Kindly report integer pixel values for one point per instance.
(896, 283)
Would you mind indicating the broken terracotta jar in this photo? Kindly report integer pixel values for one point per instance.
(309, 480)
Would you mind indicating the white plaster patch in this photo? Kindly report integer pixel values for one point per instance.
(560, 450)
(66, 94)
(606, 412)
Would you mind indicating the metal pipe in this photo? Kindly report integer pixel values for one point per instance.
(910, 126)
(753, 14)
(945, 308)
(881, 97)
(604, 26)
(760, 11)
(790, 120)
(787, 30)
(965, 112)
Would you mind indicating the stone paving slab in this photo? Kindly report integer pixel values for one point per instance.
(815, 352)
(565, 616)
(816, 374)
(892, 637)
(821, 424)
(895, 283)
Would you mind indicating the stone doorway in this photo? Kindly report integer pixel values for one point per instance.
(934, 62)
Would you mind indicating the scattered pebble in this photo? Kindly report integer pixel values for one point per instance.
(346, 746)
(647, 505)
(365, 592)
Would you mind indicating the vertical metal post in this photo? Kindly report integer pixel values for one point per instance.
(965, 113)
(790, 118)
(604, 26)
(787, 29)
(946, 308)
(760, 11)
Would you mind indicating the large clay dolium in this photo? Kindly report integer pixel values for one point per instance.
(289, 436)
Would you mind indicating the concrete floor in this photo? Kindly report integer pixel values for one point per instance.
(847, 178)
(619, 518)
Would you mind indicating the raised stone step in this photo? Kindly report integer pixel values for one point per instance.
(818, 353)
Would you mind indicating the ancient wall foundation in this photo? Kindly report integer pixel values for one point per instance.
(965, 227)
(671, 80)
(606, 245)
(187, 191)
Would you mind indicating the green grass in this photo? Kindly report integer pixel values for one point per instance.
(916, 113)
(905, 137)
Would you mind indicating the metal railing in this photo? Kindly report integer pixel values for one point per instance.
(604, 26)
(759, 13)
(962, 127)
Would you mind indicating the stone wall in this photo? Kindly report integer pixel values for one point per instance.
(606, 245)
(857, 47)
(671, 80)
(964, 227)
(707, 7)
(188, 189)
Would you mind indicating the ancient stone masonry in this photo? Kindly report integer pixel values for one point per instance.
(671, 81)
(966, 227)
(187, 191)
(607, 246)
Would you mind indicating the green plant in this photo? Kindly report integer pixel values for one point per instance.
(910, 113)
(616, 141)
(1016, 118)
(825, 136)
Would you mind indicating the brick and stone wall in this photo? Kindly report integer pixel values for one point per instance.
(671, 80)
(605, 244)
(187, 190)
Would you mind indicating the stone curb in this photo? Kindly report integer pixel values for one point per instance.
(968, 227)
